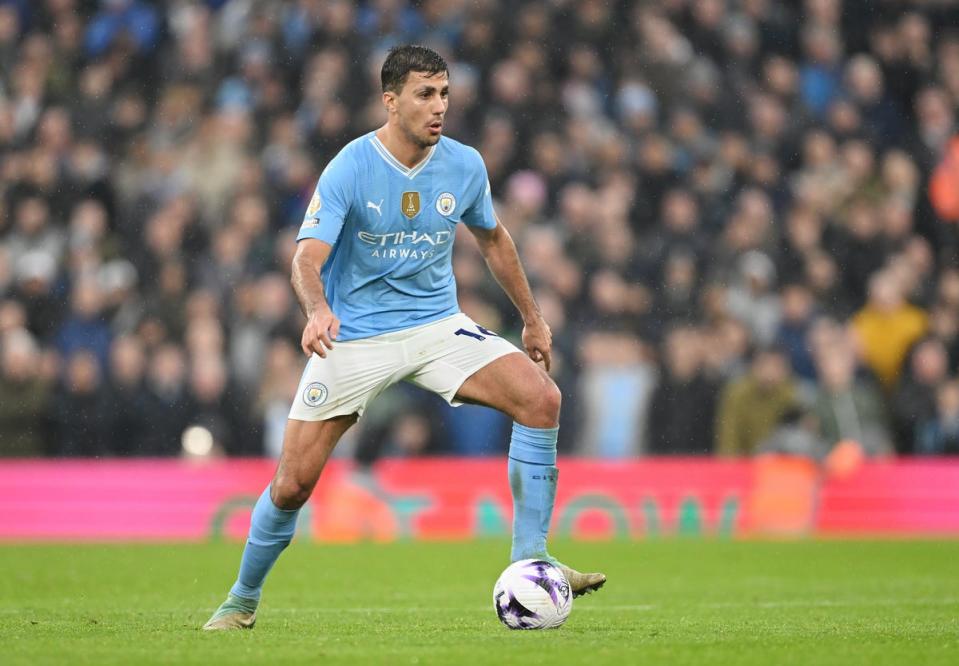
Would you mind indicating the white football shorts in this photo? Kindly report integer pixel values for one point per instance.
(438, 356)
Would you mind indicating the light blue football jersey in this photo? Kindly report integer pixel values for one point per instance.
(392, 231)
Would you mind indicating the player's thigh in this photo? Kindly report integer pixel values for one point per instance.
(516, 386)
(453, 350)
(306, 447)
(351, 375)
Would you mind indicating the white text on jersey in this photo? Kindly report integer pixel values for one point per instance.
(402, 237)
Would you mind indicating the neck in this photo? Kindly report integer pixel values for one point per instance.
(408, 154)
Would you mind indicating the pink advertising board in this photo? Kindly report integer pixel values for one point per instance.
(446, 498)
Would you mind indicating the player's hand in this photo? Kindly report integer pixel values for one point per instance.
(538, 341)
(321, 330)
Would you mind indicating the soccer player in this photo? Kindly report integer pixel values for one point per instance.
(373, 273)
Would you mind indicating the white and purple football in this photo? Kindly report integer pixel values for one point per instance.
(532, 594)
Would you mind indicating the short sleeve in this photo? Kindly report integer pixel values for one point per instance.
(330, 204)
(479, 212)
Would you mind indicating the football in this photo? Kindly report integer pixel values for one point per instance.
(532, 594)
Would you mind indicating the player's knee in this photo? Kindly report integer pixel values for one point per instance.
(541, 410)
(289, 493)
(552, 400)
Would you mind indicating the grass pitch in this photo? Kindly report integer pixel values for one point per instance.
(667, 602)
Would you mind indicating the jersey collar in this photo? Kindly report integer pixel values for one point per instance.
(409, 172)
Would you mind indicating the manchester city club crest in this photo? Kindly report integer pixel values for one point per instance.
(315, 394)
(445, 204)
(410, 204)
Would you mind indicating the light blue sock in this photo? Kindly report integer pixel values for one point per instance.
(532, 478)
(271, 530)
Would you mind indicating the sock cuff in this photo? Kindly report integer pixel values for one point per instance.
(273, 508)
(269, 523)
(533, 445)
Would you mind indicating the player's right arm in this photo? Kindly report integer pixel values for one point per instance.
(322, 326)
(320, 231)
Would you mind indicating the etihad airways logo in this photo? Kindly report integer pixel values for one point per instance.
(386, 246)
(404, 237)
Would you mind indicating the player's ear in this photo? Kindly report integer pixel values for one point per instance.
(389, 100)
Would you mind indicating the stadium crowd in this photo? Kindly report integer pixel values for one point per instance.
(738, 217)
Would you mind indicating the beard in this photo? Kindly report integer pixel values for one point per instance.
(418, 140)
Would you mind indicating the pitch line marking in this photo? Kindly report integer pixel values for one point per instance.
(812, 603)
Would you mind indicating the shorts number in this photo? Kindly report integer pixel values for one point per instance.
(483, 332)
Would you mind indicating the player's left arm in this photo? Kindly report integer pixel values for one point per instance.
(498, 249)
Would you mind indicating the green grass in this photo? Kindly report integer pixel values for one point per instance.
(667, 602)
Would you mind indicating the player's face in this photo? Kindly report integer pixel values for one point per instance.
(421, 107)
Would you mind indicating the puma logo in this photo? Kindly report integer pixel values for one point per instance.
(376, 207)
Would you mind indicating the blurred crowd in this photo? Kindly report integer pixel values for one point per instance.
(738, 216)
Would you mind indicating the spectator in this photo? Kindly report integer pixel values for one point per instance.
(616, 385)
(886, 328)
(944, 326)
(33, 231)
(727, 346)
(35, 289)
(128, 413)
(803, 236)
(213, 405)
(823, 277)
(10, 29)
(80, 410)
(683, 406)
(167, 408)
(849, 408)
(753, 299)
(881, 118)
(676, 299)
(860, 249)
(23, 396)
(84, 328)
(751, 407)
(820, 77)
(282, 371)
(914, 401)
(794, 328)
(131, 23)
(940, 435)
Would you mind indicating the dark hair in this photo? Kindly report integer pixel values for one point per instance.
(402, 60)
